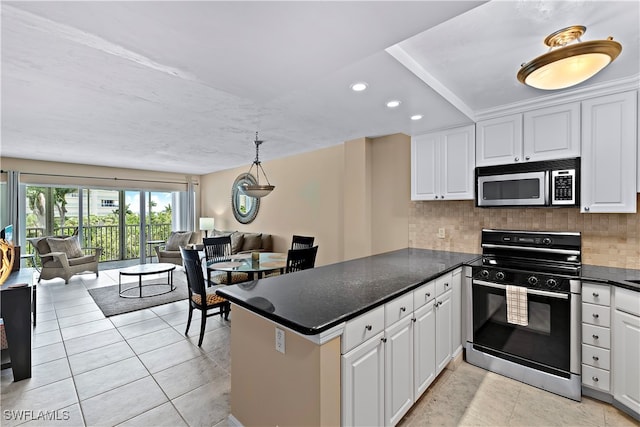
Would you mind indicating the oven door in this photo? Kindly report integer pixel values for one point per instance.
(544, 344)
(513, 189)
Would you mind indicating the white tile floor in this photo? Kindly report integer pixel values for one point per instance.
(138, 369)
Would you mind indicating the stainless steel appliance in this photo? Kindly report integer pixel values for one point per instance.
(548, 183)
(545, 350)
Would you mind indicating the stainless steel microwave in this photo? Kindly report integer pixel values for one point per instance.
(532, 184)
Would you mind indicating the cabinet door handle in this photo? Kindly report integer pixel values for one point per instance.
(403, 309)
(596, 295)
(413, 319)
(442, 197)
(527, 158)
(517, 159)
(446, 284)
(596, 358)
(595, 337)
(368, 327)
(595, 315)
(595, 379)
(383, 339)
(586, 208)
(436, 197)
(427, 295)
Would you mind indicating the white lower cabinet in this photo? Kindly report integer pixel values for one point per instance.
(398, 354)
(443, 307)
(363, 384)
(424, 350)
(384, 372)
(626, 345)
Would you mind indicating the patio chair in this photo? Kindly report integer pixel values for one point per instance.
(62, 256)
(201, 297)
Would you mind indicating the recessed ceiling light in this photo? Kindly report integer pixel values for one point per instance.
(416, 117)
(393, 104)
(359, 86)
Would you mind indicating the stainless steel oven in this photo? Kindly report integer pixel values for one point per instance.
(543, 347)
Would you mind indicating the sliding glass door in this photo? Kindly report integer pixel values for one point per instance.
(121, 222)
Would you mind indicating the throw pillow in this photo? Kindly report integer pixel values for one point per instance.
(252, 242)
(68, 245)
(237, 240)
(177, 239)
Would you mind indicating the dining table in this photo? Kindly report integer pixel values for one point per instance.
(254, 264)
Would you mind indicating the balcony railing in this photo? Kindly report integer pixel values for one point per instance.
(108, 238)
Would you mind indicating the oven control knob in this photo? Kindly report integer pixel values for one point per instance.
(533, 280)
(552, 283)
(546, 241)
(484, 273)
(500, 275)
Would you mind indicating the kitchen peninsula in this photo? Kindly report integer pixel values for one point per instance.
(305, 314)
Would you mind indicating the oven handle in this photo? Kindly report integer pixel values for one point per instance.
(531, 249)
(558, 295)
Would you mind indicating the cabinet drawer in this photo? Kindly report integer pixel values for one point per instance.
(596, 357)
(594, 377)
(444, 283)
(596, 294)
(599, 315)
(596, 335)
(628, 301)
(424, 294)
(398, 309)
(362, 328)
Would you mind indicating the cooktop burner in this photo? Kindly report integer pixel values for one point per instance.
(544, 260)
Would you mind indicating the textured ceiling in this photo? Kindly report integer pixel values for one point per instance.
(184, 86)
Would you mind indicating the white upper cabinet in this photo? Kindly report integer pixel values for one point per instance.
(442, 165)
(545, 134)
(499, 140)
(609, 144)
(552, 133)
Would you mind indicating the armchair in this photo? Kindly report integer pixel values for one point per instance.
(63, 257)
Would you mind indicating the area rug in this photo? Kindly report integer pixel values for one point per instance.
(111, 303)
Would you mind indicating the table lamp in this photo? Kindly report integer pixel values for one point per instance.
(207, 224)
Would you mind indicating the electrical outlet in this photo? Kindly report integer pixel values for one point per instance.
(441, 233)
(280, 340)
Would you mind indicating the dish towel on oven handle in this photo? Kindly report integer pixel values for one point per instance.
(517, 312)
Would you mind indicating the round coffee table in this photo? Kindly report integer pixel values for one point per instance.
(145, 270)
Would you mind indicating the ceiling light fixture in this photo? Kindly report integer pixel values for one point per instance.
(567, 65)
(393, 104)
(416, 117)
(359, 86)
(257, 190)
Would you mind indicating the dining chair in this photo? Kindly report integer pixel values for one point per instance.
(301, 242)
(201, 297)
(218, 249)
(301, 259)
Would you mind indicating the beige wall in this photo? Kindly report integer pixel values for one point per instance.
(611, 240)
(329, 194)
(298, 388)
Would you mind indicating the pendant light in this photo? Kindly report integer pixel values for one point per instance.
(566, 65)
(257, 189)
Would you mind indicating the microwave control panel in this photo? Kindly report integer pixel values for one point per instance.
(563, 187)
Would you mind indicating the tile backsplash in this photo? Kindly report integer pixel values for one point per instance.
(611, 240)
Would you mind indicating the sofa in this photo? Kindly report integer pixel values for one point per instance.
(241, 242)
(62, 256)
(170, 251)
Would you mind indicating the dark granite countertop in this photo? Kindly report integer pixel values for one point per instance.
(614, 276)
(313, 301)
